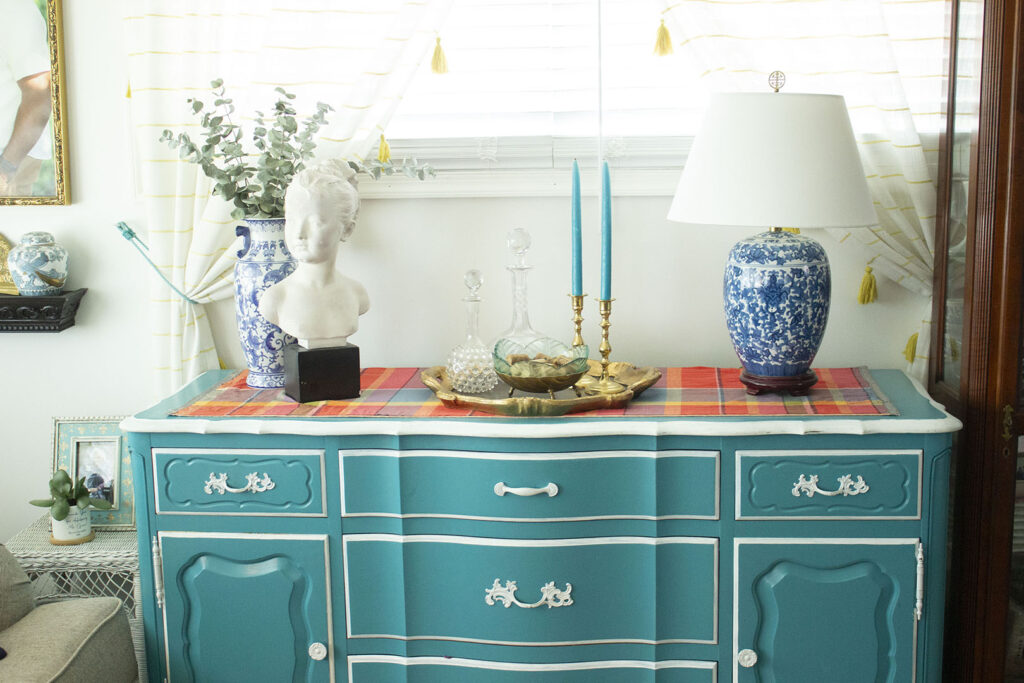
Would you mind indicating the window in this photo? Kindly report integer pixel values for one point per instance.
(521, 99)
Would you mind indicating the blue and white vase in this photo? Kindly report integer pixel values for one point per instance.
(777, 293)
(38, 265)
(263, 261)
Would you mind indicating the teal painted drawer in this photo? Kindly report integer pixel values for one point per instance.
(531, 592)
(875, 484)
(531, 487)
(391, 669)
(268, 482)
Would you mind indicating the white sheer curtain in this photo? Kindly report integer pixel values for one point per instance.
(357, 57)
(886, 57)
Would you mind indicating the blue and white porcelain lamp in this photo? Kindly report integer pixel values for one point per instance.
(777, 161)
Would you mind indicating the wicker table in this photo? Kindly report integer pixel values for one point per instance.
(106, 566)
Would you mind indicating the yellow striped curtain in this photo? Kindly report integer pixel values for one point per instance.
(359, 57)
(881, 55)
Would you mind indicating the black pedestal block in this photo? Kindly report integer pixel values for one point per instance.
(321, 374)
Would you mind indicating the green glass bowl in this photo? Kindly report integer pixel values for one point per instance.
(538, 372)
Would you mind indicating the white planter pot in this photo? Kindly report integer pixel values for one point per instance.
(75, 528)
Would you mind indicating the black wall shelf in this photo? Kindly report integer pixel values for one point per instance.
(39, 313)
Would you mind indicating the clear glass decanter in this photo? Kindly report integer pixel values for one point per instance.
(470, 367)
(520, 332)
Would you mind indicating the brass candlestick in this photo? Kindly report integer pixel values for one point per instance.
(577, 318)
(605, 385)
(587, 381)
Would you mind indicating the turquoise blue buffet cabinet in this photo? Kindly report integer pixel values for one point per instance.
(654, 550)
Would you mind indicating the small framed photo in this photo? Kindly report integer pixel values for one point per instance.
(94, 448)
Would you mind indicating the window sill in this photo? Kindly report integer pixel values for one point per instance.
(627, 182)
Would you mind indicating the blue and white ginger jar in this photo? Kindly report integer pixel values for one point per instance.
(777, 290)
(263, 261)
(38, 265)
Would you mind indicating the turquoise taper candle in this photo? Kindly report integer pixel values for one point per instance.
(577, 233)
(606, 234)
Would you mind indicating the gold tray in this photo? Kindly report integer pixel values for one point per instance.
(497, 401)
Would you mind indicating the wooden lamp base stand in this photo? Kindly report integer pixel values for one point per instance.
(796, 385)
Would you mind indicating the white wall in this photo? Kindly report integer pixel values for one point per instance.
(410, 254)
(98, 367)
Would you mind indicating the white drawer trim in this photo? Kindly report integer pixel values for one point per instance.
(346, 539)
(320, 538)
(575, 455)
(826, 453)
(522, 666)
(318, 453)
(737, 542)
(497, 455)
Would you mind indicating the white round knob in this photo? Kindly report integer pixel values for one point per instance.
(746, 658)
(317, 651)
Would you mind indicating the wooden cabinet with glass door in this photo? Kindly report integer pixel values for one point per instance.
(975, 352)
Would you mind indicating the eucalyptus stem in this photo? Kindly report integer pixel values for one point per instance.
(257, 189)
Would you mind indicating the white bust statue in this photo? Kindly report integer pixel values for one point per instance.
(316, 303)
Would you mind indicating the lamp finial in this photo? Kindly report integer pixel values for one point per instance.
(776, 80)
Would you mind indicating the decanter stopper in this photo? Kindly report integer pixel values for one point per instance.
(470, 367)
(473, 281)
(518, 242)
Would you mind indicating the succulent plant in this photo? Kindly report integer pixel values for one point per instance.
(65, 492)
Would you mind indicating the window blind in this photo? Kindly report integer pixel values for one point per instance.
(521, 90)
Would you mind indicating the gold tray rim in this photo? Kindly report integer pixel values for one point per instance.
(435, 378)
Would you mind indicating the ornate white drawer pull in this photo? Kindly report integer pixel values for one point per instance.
(549, 595)
(847, 486)
(551, 489)
(746, 658)
(218, 483)
(317, 652)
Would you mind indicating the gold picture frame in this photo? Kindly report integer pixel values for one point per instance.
(7, 285)
(40, 180)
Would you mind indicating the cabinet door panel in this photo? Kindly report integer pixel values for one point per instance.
(841, 611)
(236, 604)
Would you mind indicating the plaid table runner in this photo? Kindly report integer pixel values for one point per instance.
(398, 392)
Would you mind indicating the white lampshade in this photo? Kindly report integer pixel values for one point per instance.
(774, 160)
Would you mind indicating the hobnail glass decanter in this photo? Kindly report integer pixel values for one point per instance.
(520, 332)
(470, 368)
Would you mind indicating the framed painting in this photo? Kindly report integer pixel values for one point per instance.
(33, 120)
(94, 448)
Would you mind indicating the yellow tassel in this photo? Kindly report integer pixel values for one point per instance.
(128, 91)
(384, 151)
(910, 352)
(663, 45)
(439, 63)
(868, 287)
(795, 231)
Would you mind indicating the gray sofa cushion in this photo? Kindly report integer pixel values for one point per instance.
(74, 641)
(15, 590)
